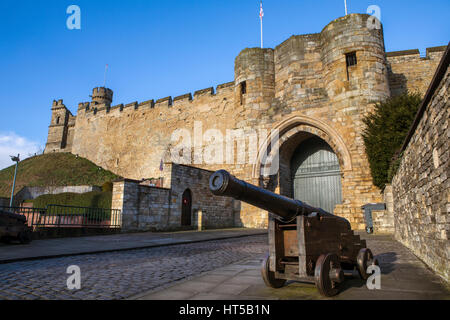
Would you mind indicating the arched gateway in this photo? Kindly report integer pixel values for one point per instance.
(313, 159)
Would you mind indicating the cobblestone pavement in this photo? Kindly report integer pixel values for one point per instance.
(120, 275)
(403, 277)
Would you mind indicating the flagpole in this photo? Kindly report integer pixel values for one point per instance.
(346, 12)
(261, 15)
(104, 81)
(262, 43)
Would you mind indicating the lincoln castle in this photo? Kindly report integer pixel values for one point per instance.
(314, 89)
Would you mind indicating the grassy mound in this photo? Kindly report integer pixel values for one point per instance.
(57, 169)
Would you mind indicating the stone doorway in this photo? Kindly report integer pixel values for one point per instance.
(186, 209)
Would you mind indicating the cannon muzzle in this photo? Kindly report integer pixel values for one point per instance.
(222, 183)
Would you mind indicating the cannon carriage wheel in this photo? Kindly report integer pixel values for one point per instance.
(269, 276)
(328, 275)
(364, 260)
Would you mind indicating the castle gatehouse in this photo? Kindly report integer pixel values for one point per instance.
(312, 90)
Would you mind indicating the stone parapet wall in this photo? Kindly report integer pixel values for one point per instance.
(409, 71)
(421, 186)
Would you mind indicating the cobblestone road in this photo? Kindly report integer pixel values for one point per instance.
(120, 275)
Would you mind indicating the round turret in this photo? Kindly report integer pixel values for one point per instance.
(255, 77)
(102, 95)
(353, 56)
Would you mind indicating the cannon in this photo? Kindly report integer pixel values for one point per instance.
(306, 244)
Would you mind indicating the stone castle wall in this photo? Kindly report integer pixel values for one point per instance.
(408, 71)
(301, 88)
(421, 186)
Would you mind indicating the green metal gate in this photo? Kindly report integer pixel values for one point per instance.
(316, 175)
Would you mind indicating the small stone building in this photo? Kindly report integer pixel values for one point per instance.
(421, 187)
(185, 202)
(311, 91)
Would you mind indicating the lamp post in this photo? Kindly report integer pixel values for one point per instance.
(16, 160)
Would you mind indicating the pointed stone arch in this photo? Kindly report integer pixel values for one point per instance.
(291, 127)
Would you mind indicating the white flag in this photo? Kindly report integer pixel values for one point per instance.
(261, 12)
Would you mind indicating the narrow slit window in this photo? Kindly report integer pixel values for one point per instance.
(243, 91)
(351, 59)
(243, 87)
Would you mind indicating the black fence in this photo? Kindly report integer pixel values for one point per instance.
(57, 216)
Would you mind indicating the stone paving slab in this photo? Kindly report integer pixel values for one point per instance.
(53, 248)
(404, 277)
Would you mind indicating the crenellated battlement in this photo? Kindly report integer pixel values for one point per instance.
(84, 106)
(102, 95)
(204, 92)
(164, 102)
(182, 99)
(57, 104)
(416, 52)
(95, 107)
(410, 71)
(149, 104)
(248, 59)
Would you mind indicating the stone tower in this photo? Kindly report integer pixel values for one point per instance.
(255, 78)
(102, 95)
(60, 129)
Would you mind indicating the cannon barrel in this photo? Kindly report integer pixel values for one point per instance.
(222, 183)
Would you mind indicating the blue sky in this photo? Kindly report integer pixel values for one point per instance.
(159, 48)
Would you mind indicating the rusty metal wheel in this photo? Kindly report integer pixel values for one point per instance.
(328, 275)
(364, 260)
(269, 276)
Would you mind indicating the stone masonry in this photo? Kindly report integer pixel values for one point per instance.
(153, 208)
(304, 87)
(421, 186)
(383, 221)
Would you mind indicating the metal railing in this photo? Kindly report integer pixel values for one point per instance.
(58, 216)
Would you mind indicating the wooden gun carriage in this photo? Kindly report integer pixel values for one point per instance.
(306, 244)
